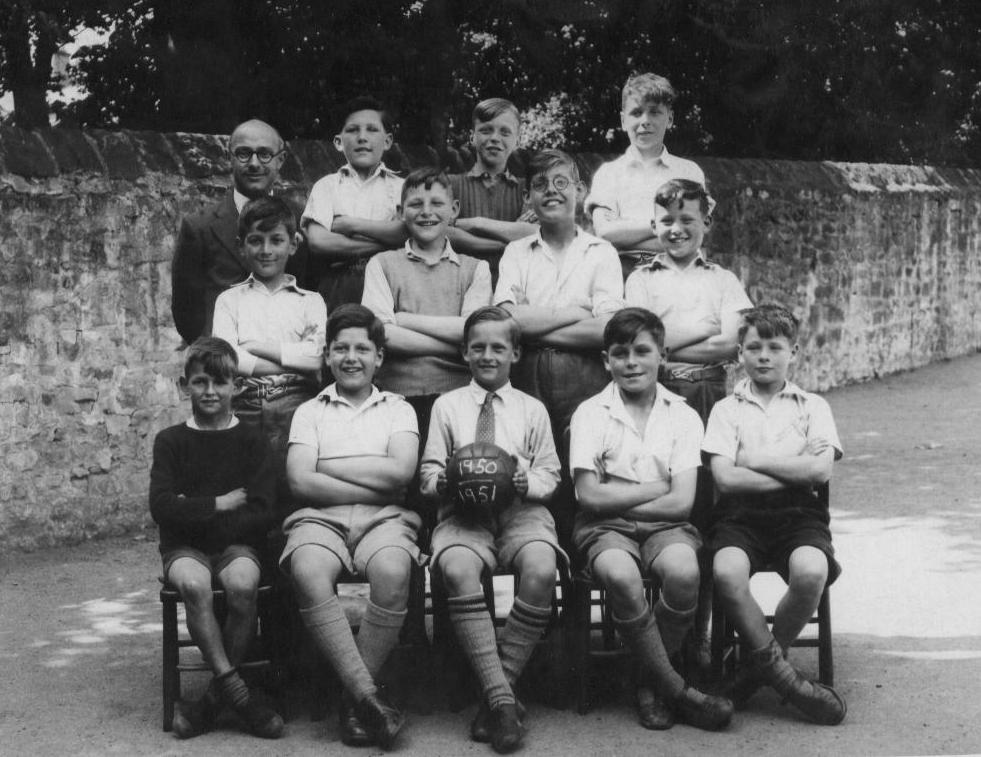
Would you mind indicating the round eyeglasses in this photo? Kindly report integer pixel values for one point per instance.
(541, 183)
(244, 154)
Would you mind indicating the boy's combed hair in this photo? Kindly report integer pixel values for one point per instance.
(355, 316)
(543, 161)
(492, 107)
(426, 177)
(214, 356)
(496, 314)
(770, 320)
(366, 102)
(266, 213)
(626, 324)
(648, 87)
(676, 191)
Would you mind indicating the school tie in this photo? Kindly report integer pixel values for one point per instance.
(485, 421)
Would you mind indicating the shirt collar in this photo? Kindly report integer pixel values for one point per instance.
(479, 173)
(380, 170)
(633, 156)
(663, 260)
(330, 396)
(240, 200)
(579, 241)
(744, 391)
(191, 423)
(289, 282)
(448, 253)
(479, 394)
(611, 399)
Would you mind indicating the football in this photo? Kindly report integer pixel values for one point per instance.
(479, 479)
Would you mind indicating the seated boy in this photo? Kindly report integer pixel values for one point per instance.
(634, 454)
(619, 199)
(212, 490)
(276, 328)
(771, 444)
(521, 538)
(423, 293)
(353, 450)
(562, 285)
(353, 214)
(492, 199)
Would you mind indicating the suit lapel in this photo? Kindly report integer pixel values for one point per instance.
(225, 230)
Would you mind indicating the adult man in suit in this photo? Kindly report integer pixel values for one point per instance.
(208, 260)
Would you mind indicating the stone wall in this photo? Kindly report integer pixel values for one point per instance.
(880, 261)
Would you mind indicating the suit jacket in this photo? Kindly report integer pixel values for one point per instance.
(207, 261)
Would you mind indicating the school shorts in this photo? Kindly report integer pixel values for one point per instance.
(641, 540)
(769, 527)
(355, 533)
(561, 379)
(497, 544)
(215, 562)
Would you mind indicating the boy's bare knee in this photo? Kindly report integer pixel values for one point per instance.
(535, 565)
(730, 570)
(460, 569)
(388, 572)
(314, 571)
(808, 572)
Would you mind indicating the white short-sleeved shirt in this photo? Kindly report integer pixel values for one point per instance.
(625, 187)
(701, 293)
(335, 428)
(588, 276)
(741, 424)
(521, 428)
(294, 318)
(344, 194)
(605, 440)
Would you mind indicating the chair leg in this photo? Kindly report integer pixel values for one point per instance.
(718, 642)
(171, 658)
(826, 665)
(581, 632)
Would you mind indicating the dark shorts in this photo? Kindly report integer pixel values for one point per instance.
(769, 527)
(215, 562)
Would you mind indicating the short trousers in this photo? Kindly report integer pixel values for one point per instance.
(641, 540)
(498, 544)
(215, 562)
(355, 533)
(768, 528)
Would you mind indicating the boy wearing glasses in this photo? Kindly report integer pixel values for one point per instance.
(561, 285)
(207, 259)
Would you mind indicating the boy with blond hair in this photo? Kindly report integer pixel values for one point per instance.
(620, 200)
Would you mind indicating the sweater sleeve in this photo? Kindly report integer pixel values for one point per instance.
(168, 505)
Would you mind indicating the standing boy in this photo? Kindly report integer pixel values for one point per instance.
(561, 285)
(492, 199)
(423, 293)
(353, 214)
(771, 446)
(212, 489)
(619, 200)
(353, 450)
(634, 453)
(276, 327)
(521, 537)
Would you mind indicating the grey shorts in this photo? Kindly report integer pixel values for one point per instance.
(355, 533)
(215, 562)
(643, 541)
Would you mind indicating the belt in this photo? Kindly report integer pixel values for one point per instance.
(273, 387)
(693, 373)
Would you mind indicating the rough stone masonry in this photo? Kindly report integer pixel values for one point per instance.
(881, 263)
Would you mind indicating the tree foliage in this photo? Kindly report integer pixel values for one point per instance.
(866, 80)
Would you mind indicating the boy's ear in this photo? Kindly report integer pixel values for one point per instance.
(337, 144)
(389, 140)
(239, 382)
(606, 360)
(454, 211)
(794, 352)
(182, 385)
(297, 241)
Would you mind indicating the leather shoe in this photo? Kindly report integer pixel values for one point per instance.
(506, 731)
(654, 713)
(480, 725)
(382, 721)
(353, 733)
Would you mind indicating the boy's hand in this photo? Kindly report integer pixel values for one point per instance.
(816, 446)
(520, 481)
(231, 501)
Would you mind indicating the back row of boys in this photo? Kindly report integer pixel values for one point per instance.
(558, 303)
